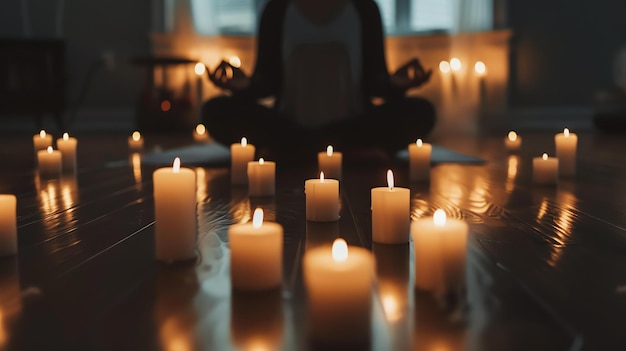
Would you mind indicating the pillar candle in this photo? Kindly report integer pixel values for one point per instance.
(67, 146)
(200, 134)
(454, 250)
(512, 142)
(240, 155)
(135, 142)
(175, 212)
(49, 161)
(329, 162)
(391, 214)
(256, 254)
(339, 285)
(419, 161)
(261, 178)
(8, 225)
(42, 140)
(322, 199)
(545, 170)
(427, 236)
(566, 143)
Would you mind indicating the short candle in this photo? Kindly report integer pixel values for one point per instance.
(67, 146)
(261, 178)
(200, 134)
(330, 162)
(566, 144)
(391, 213)
(545, 170)
(135, 142)
(8, 225)
(175, 212)
(419, 160)
(256, 254)
(42, 140)
(322, 199)
(49, 161)
(512, 141)
(240, 154)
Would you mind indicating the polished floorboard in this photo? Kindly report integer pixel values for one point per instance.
(546, 266)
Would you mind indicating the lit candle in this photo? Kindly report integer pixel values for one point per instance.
(175, 212)
(200, 134)
(135, 142)
(512, 141)
(256, 254)
(49, 161)
(261, 178)
(329, 162)
(67, 146)
(566, 143)
(199, 70)
(322, 199)
(455, 67)
(427, 234)
(240, 155)
(454, 250)
(339, 285)
(391, 214)
(41, 141)
(545, 170)
(481, 71)
(8, 225)
(419, 161)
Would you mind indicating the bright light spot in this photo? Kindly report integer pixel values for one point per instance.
(455, 64)
(391, 307)
(329, 150)
(544, 156)
(199, 68)
(566, 132)
(257, 218)
(419, 143)
(200, 129)
(136, 136)
(480, 68)
(42, 134)
(261, 161)
(235, 61)
(321, 177)
(176, 165)
(244, 142)
(444, 66)
(439, 218)
(512, 136)
(165, 105)
(49, 149)
(390, 179)
(66, 136)
(340, 250)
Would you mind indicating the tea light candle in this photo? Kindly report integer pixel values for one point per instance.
(261, 178)
(135, 142)
(256, 254)
(391, 213)
(67, 146)
(339, 285)
(329, 162)
(49, 161)
(240, 155)
(200, 134)
(41, 141)
(419, 161)
(175, 212)
(512, 141)
(322, 199)
(8, 225)
(566, 144)
(545, 170)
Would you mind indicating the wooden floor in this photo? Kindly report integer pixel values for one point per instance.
(546, 267)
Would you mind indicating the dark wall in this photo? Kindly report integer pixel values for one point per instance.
(563, 50)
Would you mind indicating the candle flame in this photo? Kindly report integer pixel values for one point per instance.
(49, 149)
(199, 68)
(42, 134)
(321, 177)
(136, 136)
(244, 142)
(329, 150)
(419, 143)
(390, 179)
(480, 68)
(257, 218)
(544, 156)
(66, 136)
(176, 165)
(455, 64)
(439, 218)
(566, 132)
(444, 66)
(235, 61)
(340, 250)
(261, 161)
(200, 129)
(512, 136)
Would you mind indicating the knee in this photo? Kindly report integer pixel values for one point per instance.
(215, 107)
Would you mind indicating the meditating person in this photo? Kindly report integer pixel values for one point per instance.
(324, 63)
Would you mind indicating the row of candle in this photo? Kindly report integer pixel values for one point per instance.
(136, 140)
(51, 162)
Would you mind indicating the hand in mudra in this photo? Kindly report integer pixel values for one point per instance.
(229, 77)
(410, 75)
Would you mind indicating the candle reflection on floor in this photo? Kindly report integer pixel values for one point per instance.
(257, 321)
(10, 299)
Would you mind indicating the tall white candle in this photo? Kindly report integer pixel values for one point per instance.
(419, 161)
(545, 170)
(261, 178)
(41, 141)
(49, 162)
(8, 225)
(566, 144)
(391, 214)
(322, 199)
(512, 142)
(175, 213)
(256, 258)
(240, 154)
(427, 236)
(67, 145)
(339, 285)
(135, 142)
(454, 249)
(330, 162)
